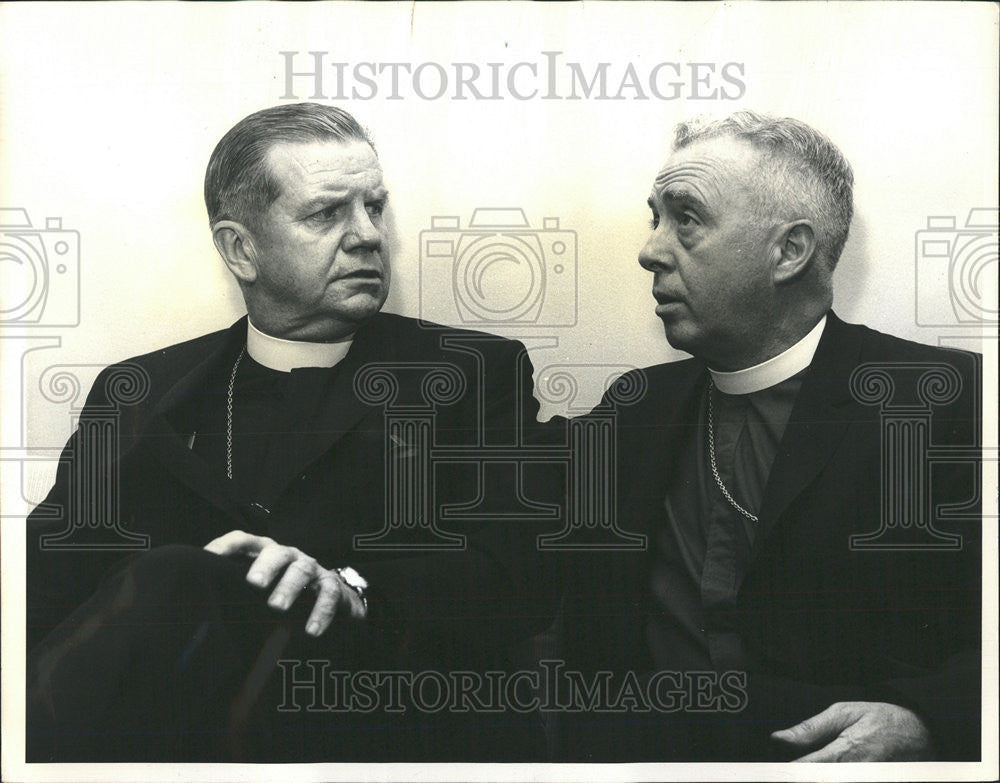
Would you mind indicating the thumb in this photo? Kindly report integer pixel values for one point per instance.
(824, 726)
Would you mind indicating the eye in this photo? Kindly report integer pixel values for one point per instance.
(327, 213)
(687, 220)
(654, 221)
(375, 208)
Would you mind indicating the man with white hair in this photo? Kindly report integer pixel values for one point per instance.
(758, 471)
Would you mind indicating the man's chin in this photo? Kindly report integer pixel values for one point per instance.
(678, 336)
(359, 308)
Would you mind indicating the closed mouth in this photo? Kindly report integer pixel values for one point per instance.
(363, 274)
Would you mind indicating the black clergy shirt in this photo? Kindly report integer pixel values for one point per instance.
(271, 410)
(701, 551)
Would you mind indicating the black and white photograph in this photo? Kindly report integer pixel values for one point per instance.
(499, 391)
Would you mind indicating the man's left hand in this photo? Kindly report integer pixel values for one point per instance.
(861, 731)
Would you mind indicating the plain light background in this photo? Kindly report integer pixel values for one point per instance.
(109, 127)
(108, 114)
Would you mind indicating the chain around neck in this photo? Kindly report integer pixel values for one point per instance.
(715, 470)
(229, 414)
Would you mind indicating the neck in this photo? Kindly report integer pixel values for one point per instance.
(771, 371)
(782, 324)
(278, 353)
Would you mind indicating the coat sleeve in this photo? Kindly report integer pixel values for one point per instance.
(499, 587)
(948, 697)
(61, 578)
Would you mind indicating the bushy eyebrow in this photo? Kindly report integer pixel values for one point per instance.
(684, 197)
(340, 196)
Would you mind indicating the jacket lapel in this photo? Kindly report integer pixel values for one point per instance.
(169, 446)
(818, 422)
(649, 446)
(662, 446)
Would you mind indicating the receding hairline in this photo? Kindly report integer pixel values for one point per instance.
(281, 145)
(802, 169)
(279, 182)
(238, 179)
(743, 179)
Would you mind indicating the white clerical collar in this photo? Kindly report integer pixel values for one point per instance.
(775, 370)
(286, 355)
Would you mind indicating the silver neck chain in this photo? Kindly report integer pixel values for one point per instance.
(715, 470)
(229, 414)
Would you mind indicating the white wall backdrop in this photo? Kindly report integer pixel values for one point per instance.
(108, 115)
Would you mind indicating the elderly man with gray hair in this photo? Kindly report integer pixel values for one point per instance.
(796, 598)
(279, 469)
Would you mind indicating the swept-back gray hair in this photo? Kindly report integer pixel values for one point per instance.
(804, 175)
(238, 182)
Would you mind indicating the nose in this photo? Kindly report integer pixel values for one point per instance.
(655, 255)
(362, 233)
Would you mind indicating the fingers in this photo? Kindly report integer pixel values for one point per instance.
(822, 727)
(236, 542)
(841, 749)
(334, 597)
(329, 595)
(299, 572)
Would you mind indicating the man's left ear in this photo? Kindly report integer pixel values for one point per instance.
(793, 249)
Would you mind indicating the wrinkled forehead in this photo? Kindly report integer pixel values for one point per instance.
(346, 165)
(708, 170)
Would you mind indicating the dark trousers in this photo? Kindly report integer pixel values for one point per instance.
(177, 658)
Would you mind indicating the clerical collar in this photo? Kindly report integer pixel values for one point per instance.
(775, 370)
(286, 355)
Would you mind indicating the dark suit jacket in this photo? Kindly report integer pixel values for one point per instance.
(823, 620)
(327, 485)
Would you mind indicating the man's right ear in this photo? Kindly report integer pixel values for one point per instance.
(235, 245)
